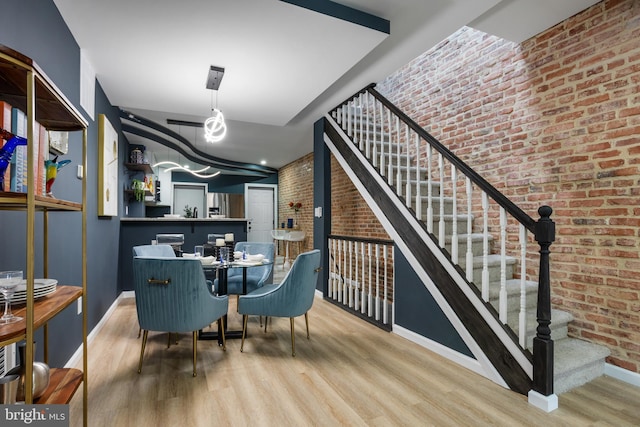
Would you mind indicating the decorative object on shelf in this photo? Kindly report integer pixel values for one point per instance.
(41, 288)
(188, 212)
(9, 281)
(136, 156)
(107, 168)
(296, 206)
(289, 222)
(8, 389)
(58, 142)
(52, 167)
(138, 189)
(214, 127)
(41, 374)
(7, 151)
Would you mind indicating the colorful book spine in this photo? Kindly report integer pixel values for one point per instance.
(43, 151)
(5, 123)
(19, 159)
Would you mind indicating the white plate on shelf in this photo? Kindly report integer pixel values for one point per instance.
(41, 288)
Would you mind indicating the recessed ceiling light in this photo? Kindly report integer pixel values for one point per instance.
(263, 162)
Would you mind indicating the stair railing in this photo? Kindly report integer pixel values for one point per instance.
(361, 276)
(420, 169)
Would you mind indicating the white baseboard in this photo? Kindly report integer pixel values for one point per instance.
(77, 356)
(546, 403)
(621, 374)
(459, 358)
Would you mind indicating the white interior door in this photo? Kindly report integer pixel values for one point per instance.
(260, 202)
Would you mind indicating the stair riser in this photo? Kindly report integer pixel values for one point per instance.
(494, 274)
(461, 224)
(513, 302)
(476, 249)
(578, 377)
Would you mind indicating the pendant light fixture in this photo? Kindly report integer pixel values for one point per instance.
(215, 127)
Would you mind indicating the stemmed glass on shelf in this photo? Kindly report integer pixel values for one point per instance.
(9, 280)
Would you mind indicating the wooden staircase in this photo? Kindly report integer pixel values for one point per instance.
(575, 361)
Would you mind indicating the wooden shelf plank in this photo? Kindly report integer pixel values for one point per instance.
(45, 309)
(14, 200)
(63, 383)
(139, 167)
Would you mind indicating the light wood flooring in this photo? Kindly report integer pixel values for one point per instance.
(349, 374)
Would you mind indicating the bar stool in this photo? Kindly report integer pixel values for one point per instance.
(293, 236)
(175, 240)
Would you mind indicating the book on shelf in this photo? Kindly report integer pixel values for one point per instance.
(19, 168)
(5, 123)
(18, 161)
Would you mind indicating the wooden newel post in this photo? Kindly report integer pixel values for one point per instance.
(545, 233)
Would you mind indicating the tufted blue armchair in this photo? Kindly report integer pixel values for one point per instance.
(291, 298)
(172, 296)
(154, 251)
(256, 276)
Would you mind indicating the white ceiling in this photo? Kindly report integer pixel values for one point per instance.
(285, 66)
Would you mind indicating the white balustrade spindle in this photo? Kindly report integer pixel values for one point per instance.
(503, 266)
(522, 333)
(485, 247)
(469, 269)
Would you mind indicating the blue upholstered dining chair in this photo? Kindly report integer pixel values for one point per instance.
(256, 276)
(173, 296)
(154, 251)
(291, 298)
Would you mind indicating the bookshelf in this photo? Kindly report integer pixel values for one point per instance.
(25, 86)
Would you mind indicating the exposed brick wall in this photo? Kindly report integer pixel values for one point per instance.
(295, 184)
(350, 214)
(554, 120)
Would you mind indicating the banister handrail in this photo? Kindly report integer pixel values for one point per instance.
(361, 239)
(491, 191)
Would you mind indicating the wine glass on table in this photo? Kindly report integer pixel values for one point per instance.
(9, 280)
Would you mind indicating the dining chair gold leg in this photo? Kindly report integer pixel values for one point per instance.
(144, 343)
(139, 332)
(293, 338)
(244, 331)
(266, 320)
(169, 340)
(306, 320)
(261, 321)
(195, 351)
(224, 340)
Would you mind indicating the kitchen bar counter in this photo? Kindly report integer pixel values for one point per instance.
(141, 231)
(163, 219)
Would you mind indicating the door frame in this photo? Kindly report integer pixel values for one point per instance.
(204, 186)
(274, 187)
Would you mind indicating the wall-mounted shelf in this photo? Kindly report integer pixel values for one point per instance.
(139, 167)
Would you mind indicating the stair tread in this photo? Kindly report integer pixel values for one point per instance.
(492, 260)
(572, 353)
(559, 318)
(513, 288)
(462, 237)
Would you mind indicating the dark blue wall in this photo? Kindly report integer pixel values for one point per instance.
(36, 29)
(223, 183)
(417, 311)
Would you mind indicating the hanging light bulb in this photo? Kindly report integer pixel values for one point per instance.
(214, 127)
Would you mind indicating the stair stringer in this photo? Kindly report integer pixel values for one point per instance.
(501, 359)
